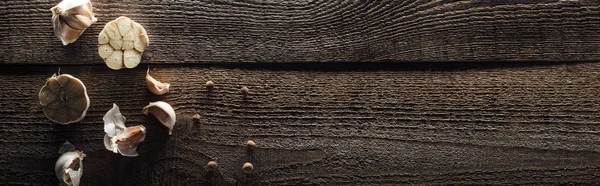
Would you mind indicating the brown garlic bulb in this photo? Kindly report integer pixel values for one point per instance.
(64, 99)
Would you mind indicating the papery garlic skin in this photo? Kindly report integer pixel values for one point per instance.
(70, 18)
(156, 87)
(163, 112)
(119, 139)
(69, 168)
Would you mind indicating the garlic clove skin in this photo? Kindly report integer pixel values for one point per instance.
(163, 112)
(69, 168)
(156, 87)
(109, 144)
(114, 121)
(70, 18)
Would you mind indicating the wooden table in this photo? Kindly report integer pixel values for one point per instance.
(341, 92)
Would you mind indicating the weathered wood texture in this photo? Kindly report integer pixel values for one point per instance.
(504, 125)
(251, 31)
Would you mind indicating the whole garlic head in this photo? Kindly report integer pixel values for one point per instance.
(122, 42)
(64, 99)
(69, 166)
(163, 112)
(70, 18)
(118, 138)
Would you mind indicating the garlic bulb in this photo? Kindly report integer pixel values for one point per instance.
(70, 18)
(163, 112)
(64, 99)
(156, 87)
(118, 138)
(122, 42)
(69, 166)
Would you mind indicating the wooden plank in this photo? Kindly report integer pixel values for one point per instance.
(513, 124)
(284, 31)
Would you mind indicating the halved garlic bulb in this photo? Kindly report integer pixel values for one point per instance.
(69, 166)
(64, 99)
(70, 18)
(118, 138)
(163, 112)
(156, 87)
(122, 42)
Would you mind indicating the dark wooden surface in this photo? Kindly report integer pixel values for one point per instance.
(331, 102)
(508, 124)
(257, 31)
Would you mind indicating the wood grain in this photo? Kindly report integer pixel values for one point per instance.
(285, 31)
(510, 124)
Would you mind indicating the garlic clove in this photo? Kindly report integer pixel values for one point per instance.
(156, 87)
(128, 45)
(65, 33)
(124, 25)
(127, 39)
(47, 96)
(69, 167)
(140, 43)
(105, 50)
(64, 99)
(114, 121)
(70, 18)
(131, 58)
(128, 141)
(116, 44)
(112, 30)
(103, 38)
(115, 60)
(163, 112)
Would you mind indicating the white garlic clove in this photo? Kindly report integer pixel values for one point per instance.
(131, 58)
(156, 87)
(124, 25)
(117, 44)
(105, 50)
(103, 38)
(141, 42)
(115, 60)
(128, 45)
(112, 30)
(163, 112)
(128, 141)
(69, 167)
(114, 122)
(70, 18)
